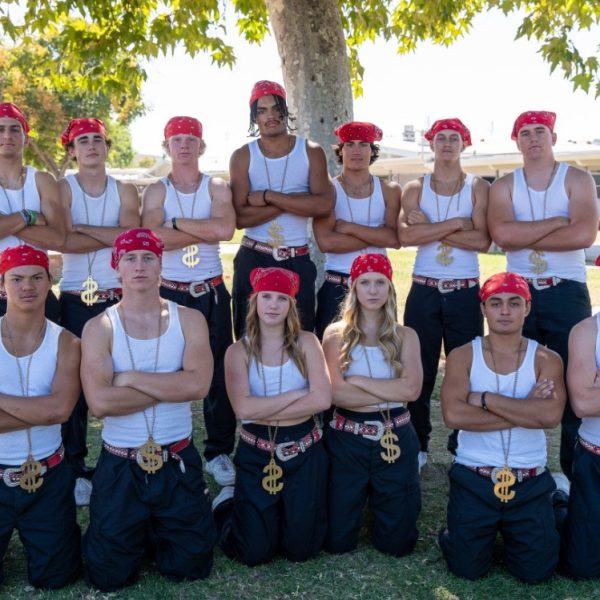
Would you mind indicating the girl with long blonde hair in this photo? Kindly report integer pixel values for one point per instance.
(375, 368)
(277, 381)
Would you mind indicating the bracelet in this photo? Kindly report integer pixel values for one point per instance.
(483, 402)
(265, 196)
(34, 215)
(25, 216)
(174, 223)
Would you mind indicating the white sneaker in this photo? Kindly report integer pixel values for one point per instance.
(83, 491)
(222, 470)
(225, 494)
(562, 483)
(422, 458)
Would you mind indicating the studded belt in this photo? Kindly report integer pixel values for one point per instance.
(12, 475)
(336, 279)
(277, 252)
(103, 295)
(284, 450)
(171, 451)
(589, 446)
(520, 474)
(370, 430)
(193, 288)
(446, 285)
(542, 283)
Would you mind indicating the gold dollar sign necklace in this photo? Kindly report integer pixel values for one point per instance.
(275, 230)
(444, 256)
(536, 257)
(371, 187)
(273, 472)
(90, 285)
(149, 456)
(389, 440)
(503, 478)
(189, 257)
(31, 469)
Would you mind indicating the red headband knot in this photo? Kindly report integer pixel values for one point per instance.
(541, 117)
(12, 111)
(358, 131)
(183, 126)
(264, 88)
(138, 238)
(275, 279)
(22, 256)
(501, 283)
(77, 127)
(370, 263)
(453, 124)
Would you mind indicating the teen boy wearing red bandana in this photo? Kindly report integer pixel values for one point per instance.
(544, 215)
(39, 362)
(501, 391)
(364, 218)
(444, 214)
(98, 209)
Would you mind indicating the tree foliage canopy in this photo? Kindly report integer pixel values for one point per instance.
(98, 44)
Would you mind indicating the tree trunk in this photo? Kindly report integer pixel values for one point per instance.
(311, 44)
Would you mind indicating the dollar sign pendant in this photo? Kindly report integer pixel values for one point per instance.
(31, 471)
(189, 258)
(538, 262)
(275, 231)
(88, 293)
(503, 479)
(149, 456)
(388, 443)
(444, 256)
(270, 482)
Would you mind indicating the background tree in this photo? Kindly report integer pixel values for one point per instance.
(98, 44)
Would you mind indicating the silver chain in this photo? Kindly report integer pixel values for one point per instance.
(457, 188)
(172, 184)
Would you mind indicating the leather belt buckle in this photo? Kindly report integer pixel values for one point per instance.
(279, 451)
(205, 287)
(378, 434)
(281, 253)
(541, 286)
(443, 282)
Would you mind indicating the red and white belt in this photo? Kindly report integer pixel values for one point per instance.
(193, 288)
(542, 283)
(102, 295)
(12, 475)
(284, 450)
(520, 474)
(370, 430)
(171, 451)
(277, 252)
(337, 279)
(589, 446)
(446, 285)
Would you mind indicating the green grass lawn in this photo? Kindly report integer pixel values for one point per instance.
(362, 574)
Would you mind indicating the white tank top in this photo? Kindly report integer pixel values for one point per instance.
(268, 173)
(75, 266)
(464, 262)
(291, 379)
(12, 201)
(569, 264)
(589, 429)
(173, 419)
(45, 439)
(209, 264)
(356, 210)
(484, 448)
(380, 368)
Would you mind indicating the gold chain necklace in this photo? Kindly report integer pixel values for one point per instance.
(371, 188)
(149, 456)
(444, 256)
(90, 285)
(273, 472)
(504, 478)
(22, 177)
(539, 265)
(189, 257)
(31, 469)
(389, 439)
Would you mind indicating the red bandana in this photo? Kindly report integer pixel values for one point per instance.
(138, 238)
(500, 283)
(264, 88)
(371, 263)
(357, 131)
(183, 126)
(453, 124)
(22, 256)
(275, 279)
(543, 117)
(77, 127)
(12, 111)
